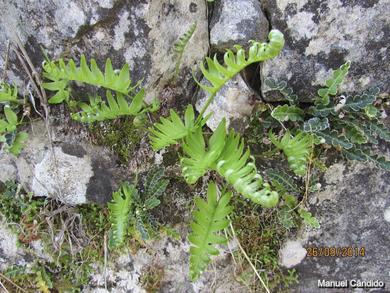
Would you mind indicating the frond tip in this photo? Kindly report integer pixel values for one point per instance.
(209, 218)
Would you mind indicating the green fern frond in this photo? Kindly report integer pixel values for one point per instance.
(60, 73)
(333, 138)
(170, 130)
(374, 129)
(233, 165)
(282, 181)
(119, 209)
(364, 156)
(332, 84)
(354, 132)
(8, 94)
(316, 124)
(181, 44)
(323, 111)
(217, 74)
(155, 184)
(281, 87)
(286, 112)
(209, 218)
(13, 141)
(98, 110)
(198, 160)
(359, 102)
(296, 148)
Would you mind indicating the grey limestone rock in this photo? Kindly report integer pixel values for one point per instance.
(322, 35)
(237, 22)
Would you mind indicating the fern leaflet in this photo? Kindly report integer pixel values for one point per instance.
(286, 112)
(281, 87)
(296, 148)
(209, 218)
(98, 110)
(332, 84)
(120, 208)
(218, 74)
(59, 73)
(181, 44)
(233, 165)
(13, 142)
(8, 93)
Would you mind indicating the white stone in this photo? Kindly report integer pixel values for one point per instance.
(292, 253)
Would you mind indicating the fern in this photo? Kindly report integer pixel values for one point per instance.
(296, 148)
(180, 46)
(377, 129)
(335, 139)
(332, 84)
(98, 110)
(218, 74)
(316, 124)
(233, 165)
(363, 156)
(282, 181)
(119, 208)
(198, 160)
(13, 141)
(60, 74)
(154, 184)
(286, 112)
(8, 94)
(281, 86)
(209, 218)
(170, 130)
(357, 103)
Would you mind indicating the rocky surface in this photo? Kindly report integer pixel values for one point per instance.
(234, 102)
(140, 33)
(73, 171)
(237, 22)
(322, 35)
(352, 209)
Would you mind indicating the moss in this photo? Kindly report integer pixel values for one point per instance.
(261, 235)
(151, 278)
(121, 136)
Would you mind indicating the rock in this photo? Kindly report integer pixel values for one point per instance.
(353, 212)
(141, 33)
(234, 102)
(321, 36)
(292, 253)
(74, 171)
(237, 22)
(9, 251)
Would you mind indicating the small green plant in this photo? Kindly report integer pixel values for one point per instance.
(130, 207)
(350, 124)
(222, 152)
(180, 46)
(13, 140)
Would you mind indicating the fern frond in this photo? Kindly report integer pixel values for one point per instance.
(323, 111)
(363, 156)
(281, 87)
(379, 130)
(282, 180)
(296, 148)
(333, 138)
(60, 73)
(18, 143)
(8, 94)
(233, 165)
(286, 112)
(119, 209)
(155, 184)
(354, 132)
(13, 141)
(98, 110)
(316, 124)
(169, 130)
(332, 84)
(359, 102)
(217, 74)
(198, 160)
(209, 218)
(181, 44)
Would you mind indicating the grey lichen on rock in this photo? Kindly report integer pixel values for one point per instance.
(353, 212)
(322, 35)
(237, 22)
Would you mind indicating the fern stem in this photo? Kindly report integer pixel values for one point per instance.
(205, 106)
(247, 258)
